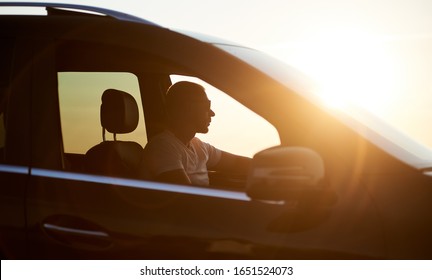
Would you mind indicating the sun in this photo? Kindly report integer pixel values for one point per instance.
(351, 68)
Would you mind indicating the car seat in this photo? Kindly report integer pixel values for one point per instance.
(118, 114)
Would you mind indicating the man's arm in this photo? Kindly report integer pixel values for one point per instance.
(231, 163)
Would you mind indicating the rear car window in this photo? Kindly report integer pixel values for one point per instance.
(80, 99)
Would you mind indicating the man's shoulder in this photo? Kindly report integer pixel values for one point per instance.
(198, 143)
(164, 136)
(163, 140)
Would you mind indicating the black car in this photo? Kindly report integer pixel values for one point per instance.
(338, 186)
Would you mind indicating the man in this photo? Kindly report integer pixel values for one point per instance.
(176, 155)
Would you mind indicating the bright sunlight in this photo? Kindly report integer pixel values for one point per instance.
(351, 68)
(386, 75)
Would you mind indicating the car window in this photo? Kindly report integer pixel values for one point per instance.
(235, 128)
(80, 99)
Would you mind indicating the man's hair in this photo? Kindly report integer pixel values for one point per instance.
(181, 94)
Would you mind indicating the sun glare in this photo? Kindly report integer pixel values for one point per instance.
(350, 68)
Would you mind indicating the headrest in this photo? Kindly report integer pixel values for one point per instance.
(119, 111)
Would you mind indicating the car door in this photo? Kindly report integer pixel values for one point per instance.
(16, 60)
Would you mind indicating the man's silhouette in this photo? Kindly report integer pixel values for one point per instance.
(176, 155)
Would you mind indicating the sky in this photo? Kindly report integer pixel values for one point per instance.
(376, 54)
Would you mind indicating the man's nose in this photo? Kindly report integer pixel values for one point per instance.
(212, 113)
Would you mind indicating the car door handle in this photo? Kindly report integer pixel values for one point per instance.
(76, 232)
(68, 230)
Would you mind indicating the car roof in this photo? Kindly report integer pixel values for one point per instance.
(75, 9)
(67, 9)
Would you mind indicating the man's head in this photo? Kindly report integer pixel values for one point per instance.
(188, 105)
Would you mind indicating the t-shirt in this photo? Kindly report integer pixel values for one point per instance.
(165, 152)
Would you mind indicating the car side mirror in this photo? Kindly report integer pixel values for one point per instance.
(287, 173)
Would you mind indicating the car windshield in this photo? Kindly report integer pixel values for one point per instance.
(414, 147)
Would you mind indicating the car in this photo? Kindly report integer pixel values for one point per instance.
(335, 185)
